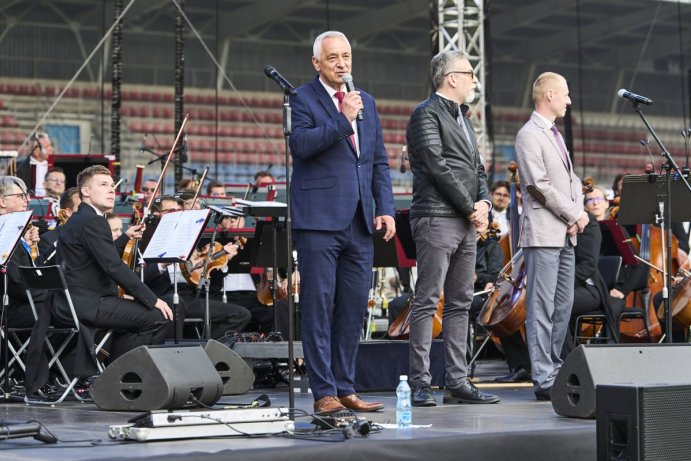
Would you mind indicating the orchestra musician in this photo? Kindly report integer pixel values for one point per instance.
(69, 203)
(32, 169)
(93, 269)
(499, 193)
(450, 201)
(223, 317)
(341, 191)
(552, 215)
(13, 198)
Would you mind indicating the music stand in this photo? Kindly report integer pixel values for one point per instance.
(12, 227)
(616, 242)
(646, 199)
(170, 243)
(270, 244)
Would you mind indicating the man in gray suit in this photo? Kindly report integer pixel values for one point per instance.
(552, 216)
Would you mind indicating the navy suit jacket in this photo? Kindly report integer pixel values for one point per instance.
(328, 178)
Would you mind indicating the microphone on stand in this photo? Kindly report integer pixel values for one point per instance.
(348, 80)
(285, 85)
(634, 98)
(404, 148)
(142, 146)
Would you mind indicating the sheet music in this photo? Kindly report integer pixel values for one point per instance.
(250, 203)
(176, 235)
(11, 227)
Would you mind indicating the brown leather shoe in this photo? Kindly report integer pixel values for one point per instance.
(328, 404)
(354, 402)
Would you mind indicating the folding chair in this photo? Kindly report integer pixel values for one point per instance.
(609, 267)
(51, 278)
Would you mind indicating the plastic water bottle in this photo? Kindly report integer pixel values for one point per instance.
(404, 410)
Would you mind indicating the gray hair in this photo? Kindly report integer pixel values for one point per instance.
(8, 183)
(441, 65)
(317, 47)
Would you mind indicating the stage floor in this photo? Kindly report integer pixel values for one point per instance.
(518, 428)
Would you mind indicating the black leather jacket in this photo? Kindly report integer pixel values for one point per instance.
(448, 175)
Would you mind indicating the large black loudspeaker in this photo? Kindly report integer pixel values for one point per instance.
(236, 375)
(157, 378)
(573, 393)
(649, 423)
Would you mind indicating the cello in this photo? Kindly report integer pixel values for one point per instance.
(504, 312)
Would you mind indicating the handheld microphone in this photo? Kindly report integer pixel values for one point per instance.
(273, 74)
(403, 151)
(635, 98)
(348, 80)
(143, 144)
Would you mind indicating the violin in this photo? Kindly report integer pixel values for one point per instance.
(192, 270)
(34, 246)
(130, 252)
(491, 233)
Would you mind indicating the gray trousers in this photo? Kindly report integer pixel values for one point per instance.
(549, 298)
(445, 250)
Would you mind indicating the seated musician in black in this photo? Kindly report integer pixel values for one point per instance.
(93, 269)
(69, 203)
(223, 317)
(13, 198)
(590, 291)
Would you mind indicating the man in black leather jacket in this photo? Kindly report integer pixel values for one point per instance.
(450, 201)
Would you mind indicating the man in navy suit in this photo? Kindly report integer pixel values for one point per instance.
(340, 192)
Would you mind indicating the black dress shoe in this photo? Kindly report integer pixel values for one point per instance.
(544, 394)
(519, 375)
(468, 393)
(423, 397)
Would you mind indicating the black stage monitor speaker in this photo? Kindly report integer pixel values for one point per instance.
(158, 378)
(235, 373)
(643, 423)
(573, 393)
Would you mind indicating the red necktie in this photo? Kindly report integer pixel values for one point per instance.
(562, 146)
(340, 95)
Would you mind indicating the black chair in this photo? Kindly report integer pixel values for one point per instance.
(49, 278)
(609, 267)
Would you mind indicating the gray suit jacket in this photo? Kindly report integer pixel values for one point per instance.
(540, 165)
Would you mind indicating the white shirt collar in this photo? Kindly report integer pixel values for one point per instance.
(98, 212)
(330, 90)
(546, 121)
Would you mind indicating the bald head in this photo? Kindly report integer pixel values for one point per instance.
(551, 95)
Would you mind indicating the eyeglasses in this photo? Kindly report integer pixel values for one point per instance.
(467, 72)
(594, 200)
(22, 195)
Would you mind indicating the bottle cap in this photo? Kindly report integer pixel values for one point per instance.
(403, 377)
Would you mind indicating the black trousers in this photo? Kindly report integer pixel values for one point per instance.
(223, 317)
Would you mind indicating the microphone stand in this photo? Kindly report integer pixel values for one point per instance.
(204, 279)
(665, 218)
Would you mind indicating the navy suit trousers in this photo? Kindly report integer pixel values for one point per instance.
(335, 277)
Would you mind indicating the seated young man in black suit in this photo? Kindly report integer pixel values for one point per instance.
(93, 269)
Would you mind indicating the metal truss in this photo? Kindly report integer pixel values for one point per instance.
(461, 28)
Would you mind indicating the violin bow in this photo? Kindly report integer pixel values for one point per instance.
(165, 167)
